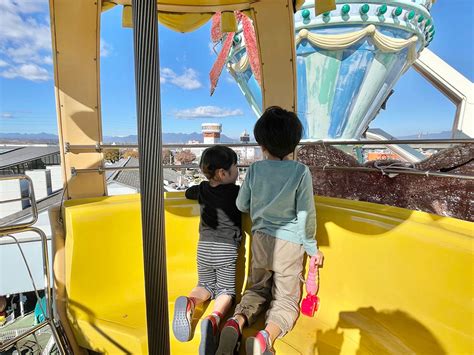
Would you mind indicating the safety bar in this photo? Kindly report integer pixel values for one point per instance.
(100, 170)
(384, 171)
(98, 147)
(30, 197)
(48, 314)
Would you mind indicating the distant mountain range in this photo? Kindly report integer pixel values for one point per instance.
(168, 138)
(178, 138)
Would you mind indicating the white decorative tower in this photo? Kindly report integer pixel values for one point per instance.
(211, 132)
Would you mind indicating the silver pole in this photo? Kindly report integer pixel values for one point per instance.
(147, 79)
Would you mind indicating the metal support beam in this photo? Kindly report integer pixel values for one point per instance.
(75, 29)
(458, 88)
(147, 79)
(274, 27)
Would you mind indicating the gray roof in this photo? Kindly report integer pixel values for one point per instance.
(129, 177)
(132, 177)
(21, 155)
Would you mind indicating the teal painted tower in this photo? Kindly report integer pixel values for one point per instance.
(348, 61)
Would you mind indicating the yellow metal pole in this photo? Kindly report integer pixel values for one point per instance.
(75, 28)
(274, 27)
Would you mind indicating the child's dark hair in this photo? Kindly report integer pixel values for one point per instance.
(216, 157)
(279, 131)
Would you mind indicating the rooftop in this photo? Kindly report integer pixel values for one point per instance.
(11, 156)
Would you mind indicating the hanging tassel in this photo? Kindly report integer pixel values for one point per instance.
(322, 6)
(251, 46)
(216, 33)
(221, 59)
(228, 22)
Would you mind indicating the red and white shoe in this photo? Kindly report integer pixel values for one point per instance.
(209, 335)
(230, 338)
(259, 344)
(183, 314)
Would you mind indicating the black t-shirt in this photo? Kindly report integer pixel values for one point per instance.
(221, 221)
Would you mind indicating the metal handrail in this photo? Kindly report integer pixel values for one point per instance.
(75, 171)
(70, 148)
(49, 320)
(384, 171)
(387, 171)
(30, 197)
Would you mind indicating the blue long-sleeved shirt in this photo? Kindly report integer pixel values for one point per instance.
(279, 196)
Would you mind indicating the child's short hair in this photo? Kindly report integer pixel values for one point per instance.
(279, 131)
(216, 157)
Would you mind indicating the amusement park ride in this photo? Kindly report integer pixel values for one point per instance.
(120, 261)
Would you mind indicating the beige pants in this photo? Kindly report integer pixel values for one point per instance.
(275, 270)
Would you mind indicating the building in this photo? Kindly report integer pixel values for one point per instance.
(244, 137)
(211, 133)
(247, 155)
(40, 163)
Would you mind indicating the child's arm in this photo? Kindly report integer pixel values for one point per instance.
(243, 198)
(306, 214)
(192, 193)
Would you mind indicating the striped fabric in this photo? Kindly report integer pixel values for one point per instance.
(216, 267)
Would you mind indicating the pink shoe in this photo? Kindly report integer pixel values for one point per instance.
(259, 344)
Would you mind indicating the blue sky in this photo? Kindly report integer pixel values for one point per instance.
(27, 103)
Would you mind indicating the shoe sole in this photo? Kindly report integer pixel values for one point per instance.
(250, 345)
(228, 342)
(181, 324)
(208, 339)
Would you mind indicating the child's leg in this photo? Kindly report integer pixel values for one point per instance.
(258, 292)
(286, 291)
(255, 297)
(184, 306)
(225, 292)
(199, 295)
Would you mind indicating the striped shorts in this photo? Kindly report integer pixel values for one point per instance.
(216, 264)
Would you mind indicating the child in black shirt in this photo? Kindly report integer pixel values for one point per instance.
(219, 240)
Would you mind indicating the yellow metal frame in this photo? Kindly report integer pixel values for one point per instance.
(394, 281)
(75, 27)
(76, 53)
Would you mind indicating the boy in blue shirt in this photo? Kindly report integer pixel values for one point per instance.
(278, 194)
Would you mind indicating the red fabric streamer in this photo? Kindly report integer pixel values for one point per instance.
(251, 46)
(221, 60)
(216, 33)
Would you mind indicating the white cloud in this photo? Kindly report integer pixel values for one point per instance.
(6, 115)
(105, 48)
(48, 60)
(188, 80)
(26, 71)
(207, 112)
(25, 39)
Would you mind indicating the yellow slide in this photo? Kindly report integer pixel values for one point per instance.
(394, 280)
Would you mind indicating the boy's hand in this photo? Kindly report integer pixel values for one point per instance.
(317, 260)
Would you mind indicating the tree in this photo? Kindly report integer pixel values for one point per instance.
(167, 155)
(133, 153)
(185, 157)
(112, 155)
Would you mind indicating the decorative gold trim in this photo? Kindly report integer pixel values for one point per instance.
(340, 41)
